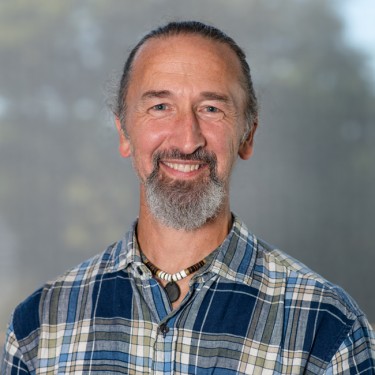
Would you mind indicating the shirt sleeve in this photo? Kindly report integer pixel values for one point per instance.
(12, 357)
(356, 354)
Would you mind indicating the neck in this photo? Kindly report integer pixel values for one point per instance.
(172, 250)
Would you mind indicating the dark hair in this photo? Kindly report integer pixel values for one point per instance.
(196, 28)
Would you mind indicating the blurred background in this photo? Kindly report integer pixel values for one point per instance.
(65, 193)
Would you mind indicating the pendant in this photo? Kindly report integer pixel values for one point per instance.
(173, 291)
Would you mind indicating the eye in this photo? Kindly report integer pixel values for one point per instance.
(161, 110)
(212, 109)
(160, 107)
(210, 112)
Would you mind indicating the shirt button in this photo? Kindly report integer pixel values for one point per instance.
(139, 269)
(163, 329)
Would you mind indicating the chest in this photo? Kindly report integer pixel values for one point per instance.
(129, 327)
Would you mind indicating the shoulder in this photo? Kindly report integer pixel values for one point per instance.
(50, 303)
(27, 316)
(316, 312)
(302, 283)
(275, 273)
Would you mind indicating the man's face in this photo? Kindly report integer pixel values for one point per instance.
(185, 118)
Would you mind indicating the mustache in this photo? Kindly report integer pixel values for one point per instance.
(201, 155)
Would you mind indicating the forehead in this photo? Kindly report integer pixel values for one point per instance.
(192, 56)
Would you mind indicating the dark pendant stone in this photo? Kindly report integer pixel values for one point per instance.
(173, 291)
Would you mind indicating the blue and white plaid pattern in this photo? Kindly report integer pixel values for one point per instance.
(250, 310)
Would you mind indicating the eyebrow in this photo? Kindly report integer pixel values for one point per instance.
(156, 94)
(207, 95)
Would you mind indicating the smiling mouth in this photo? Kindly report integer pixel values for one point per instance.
(183, 167)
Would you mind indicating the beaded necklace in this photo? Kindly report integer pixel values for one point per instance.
(172, 289)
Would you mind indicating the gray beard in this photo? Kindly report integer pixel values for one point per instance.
(185, 205)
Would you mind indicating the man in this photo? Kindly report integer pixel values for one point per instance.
(189, 290)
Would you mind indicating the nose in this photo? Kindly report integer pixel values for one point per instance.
(187, 135)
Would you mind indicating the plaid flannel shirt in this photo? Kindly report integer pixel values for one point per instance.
(250, 310)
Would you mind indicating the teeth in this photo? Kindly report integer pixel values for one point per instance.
(183, 167)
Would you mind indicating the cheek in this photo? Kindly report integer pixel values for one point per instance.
(226, 153)
(149, 137)
(143, 148)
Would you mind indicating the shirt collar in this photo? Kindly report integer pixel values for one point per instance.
(234, 259)
(123, 253)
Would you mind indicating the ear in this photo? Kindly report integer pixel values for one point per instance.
(124, 145)
(246, 147)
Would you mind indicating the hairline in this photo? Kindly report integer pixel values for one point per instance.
(251, 109)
